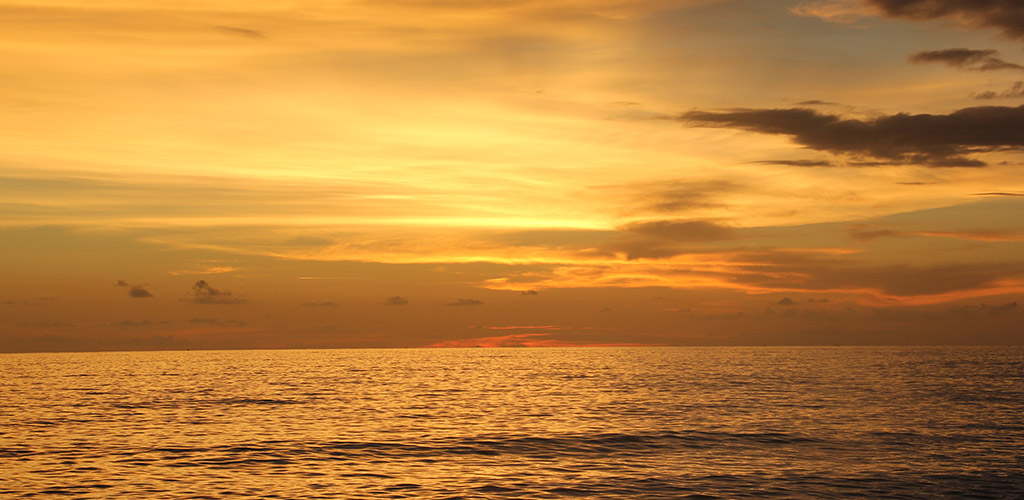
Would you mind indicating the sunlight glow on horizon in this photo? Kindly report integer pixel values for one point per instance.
(632, 161)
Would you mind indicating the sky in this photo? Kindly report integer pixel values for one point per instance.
(455, 173)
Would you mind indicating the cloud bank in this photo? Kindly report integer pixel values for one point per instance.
(925, 139)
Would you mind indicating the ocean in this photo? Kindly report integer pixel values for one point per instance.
(636, 422)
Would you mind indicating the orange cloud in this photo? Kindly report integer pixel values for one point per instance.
(531, 327)
(528, 340)
(208, 270)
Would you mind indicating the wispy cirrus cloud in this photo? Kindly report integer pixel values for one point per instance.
(836, 11)
(243, 32)
(861, 233)
(208, 270)
(682, 230)
(821, 272)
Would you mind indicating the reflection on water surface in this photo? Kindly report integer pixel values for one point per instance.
(526, 423)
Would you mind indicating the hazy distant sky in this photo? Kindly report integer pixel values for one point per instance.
(363, 173)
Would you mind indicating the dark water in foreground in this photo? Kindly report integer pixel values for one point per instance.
(838, 422)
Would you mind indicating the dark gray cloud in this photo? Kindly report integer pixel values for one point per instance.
(530, 292)
(992, 309)
(925, 139)
(778, 270)
(1017, 90)
(786, 301)
(682, 196)
(203, 293)
(823, 163)
(796, 163)
(673, 196)
(217, 322)
(465, 302)
(661, 239)
(999, 193)
(248, 33)
(128, 322)
(974, 60)
(816, 102)
(1004, 15)
(862, 235)
(396, 301)
(681, 231)
(135, 291)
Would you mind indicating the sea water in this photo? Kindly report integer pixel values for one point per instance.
(689, 422)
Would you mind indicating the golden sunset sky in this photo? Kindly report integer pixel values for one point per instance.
(405, 173)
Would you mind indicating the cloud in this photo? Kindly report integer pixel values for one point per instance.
(1004, 15)
(526, 340)
(996, 309)
(968, 59)
(682, 231)
(217, 322)
(817, 102)
(822, 163)
(245, 32)
(677, 196)
(786, 301)
(999, 193)
(858, 233)
(49, 324)
(135, 291)
(129, 323)
(848, 272)
(208, 270)
(530, 292)
(926, 139)
(898, 282)
(203, 293)
(533, 327)
(662, 239)
(836, 11)
(465, 302)
(1017, 90)
(319, 304)
(139, 293)
(397, 301)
